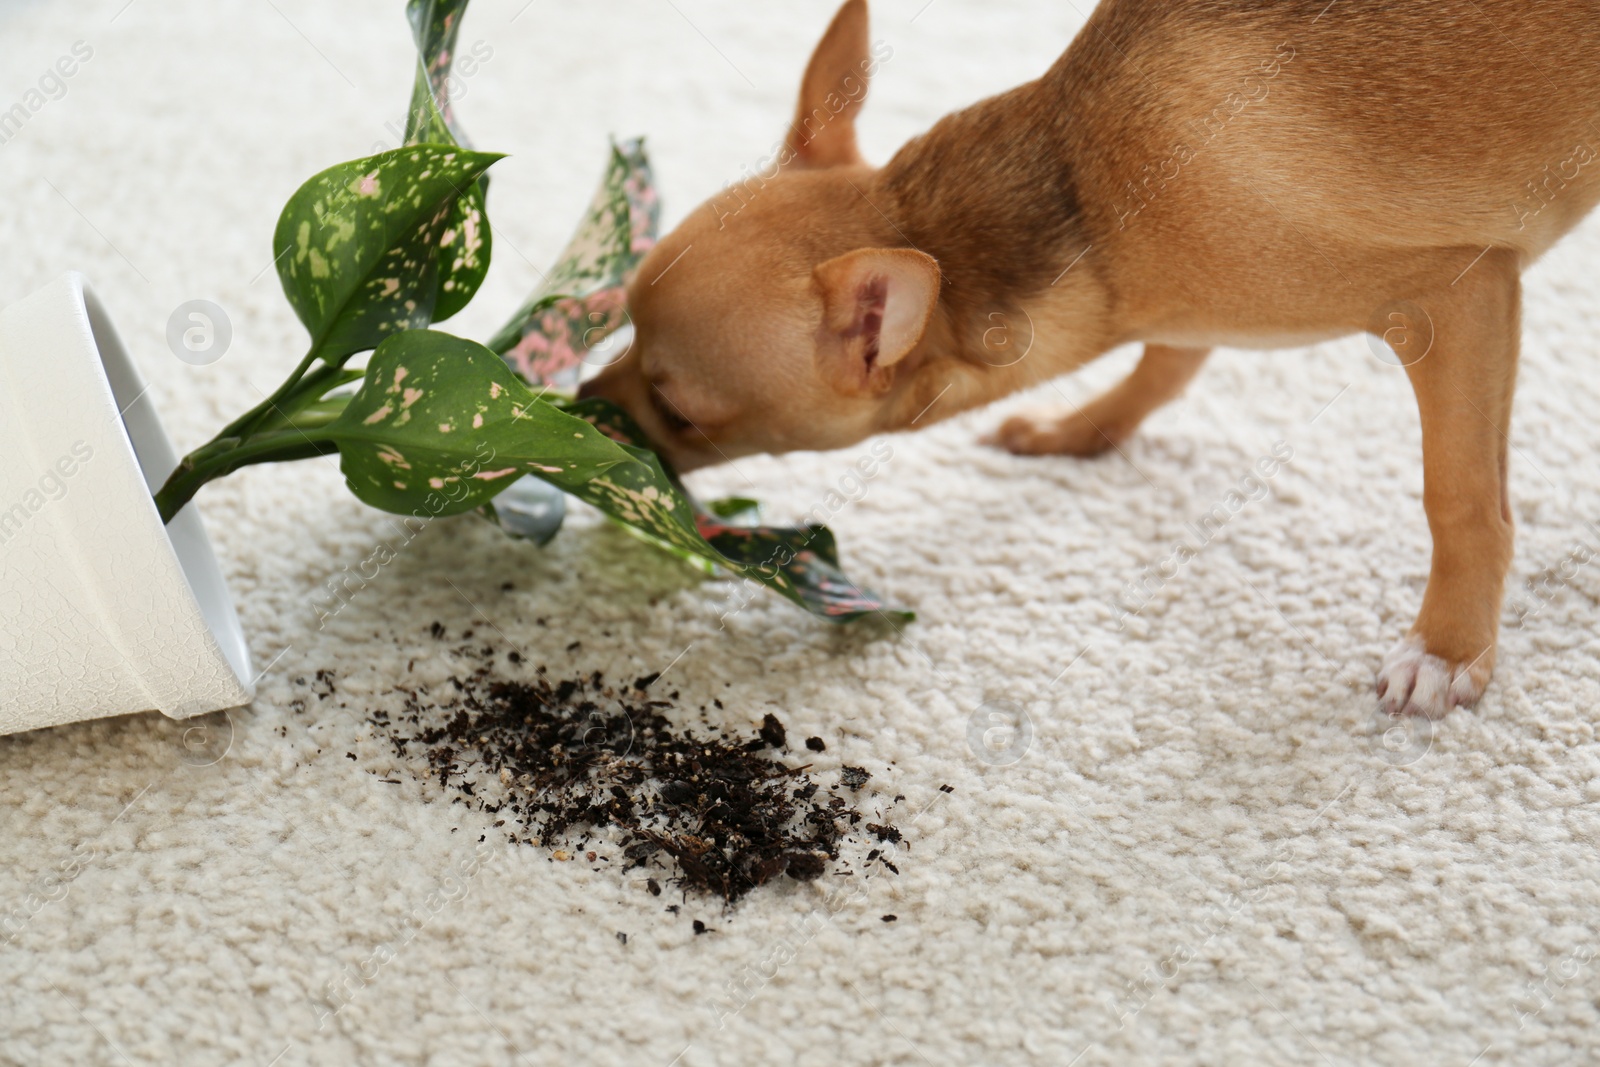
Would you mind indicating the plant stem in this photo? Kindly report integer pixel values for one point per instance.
(282, 428)
(251, 420)
(226, 455)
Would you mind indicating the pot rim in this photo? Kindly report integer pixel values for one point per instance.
(103, 609)
(157, 457)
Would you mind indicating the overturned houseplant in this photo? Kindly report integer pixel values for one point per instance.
(371, 254)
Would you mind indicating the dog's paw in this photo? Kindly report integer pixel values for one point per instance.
(1050, 433)
(1412, 681)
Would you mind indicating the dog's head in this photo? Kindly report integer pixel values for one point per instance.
(787, 312)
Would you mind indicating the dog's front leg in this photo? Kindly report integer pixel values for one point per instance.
(1464, 384)
(1161, 375)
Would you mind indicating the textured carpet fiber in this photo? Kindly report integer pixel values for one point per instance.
(1206, 852)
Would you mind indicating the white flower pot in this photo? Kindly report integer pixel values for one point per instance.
(103, 611)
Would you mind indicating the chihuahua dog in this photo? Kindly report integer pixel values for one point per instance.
(1252, 173)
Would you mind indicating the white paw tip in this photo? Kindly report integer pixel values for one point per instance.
(1412, 681)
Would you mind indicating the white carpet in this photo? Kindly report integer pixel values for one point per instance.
(1204, 855)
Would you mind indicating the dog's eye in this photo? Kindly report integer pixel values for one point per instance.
(669, 415)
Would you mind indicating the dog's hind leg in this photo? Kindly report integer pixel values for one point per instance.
(1161, 376)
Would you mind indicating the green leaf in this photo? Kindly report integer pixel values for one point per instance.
(802, 563)
(440, 425)
(435, 26)
(732, 508)
(807, 558)
(581, 302)
(467, 239)
(359, 246)
(577, 307)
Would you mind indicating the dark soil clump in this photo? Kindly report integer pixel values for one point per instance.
(580, 764)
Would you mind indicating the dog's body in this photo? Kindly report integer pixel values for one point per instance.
(1241, 172)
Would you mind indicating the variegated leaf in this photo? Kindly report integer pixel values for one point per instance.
(550, 336)
(359, 246)
(466, 241)
(440, 425)
(435, 26)
(580, 302)
(802, 563)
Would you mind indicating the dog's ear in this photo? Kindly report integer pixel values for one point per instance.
(824, 130)
(877, 303)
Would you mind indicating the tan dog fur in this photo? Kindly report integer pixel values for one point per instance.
(1213, 172)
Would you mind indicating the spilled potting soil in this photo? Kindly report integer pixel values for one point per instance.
(610, 773)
